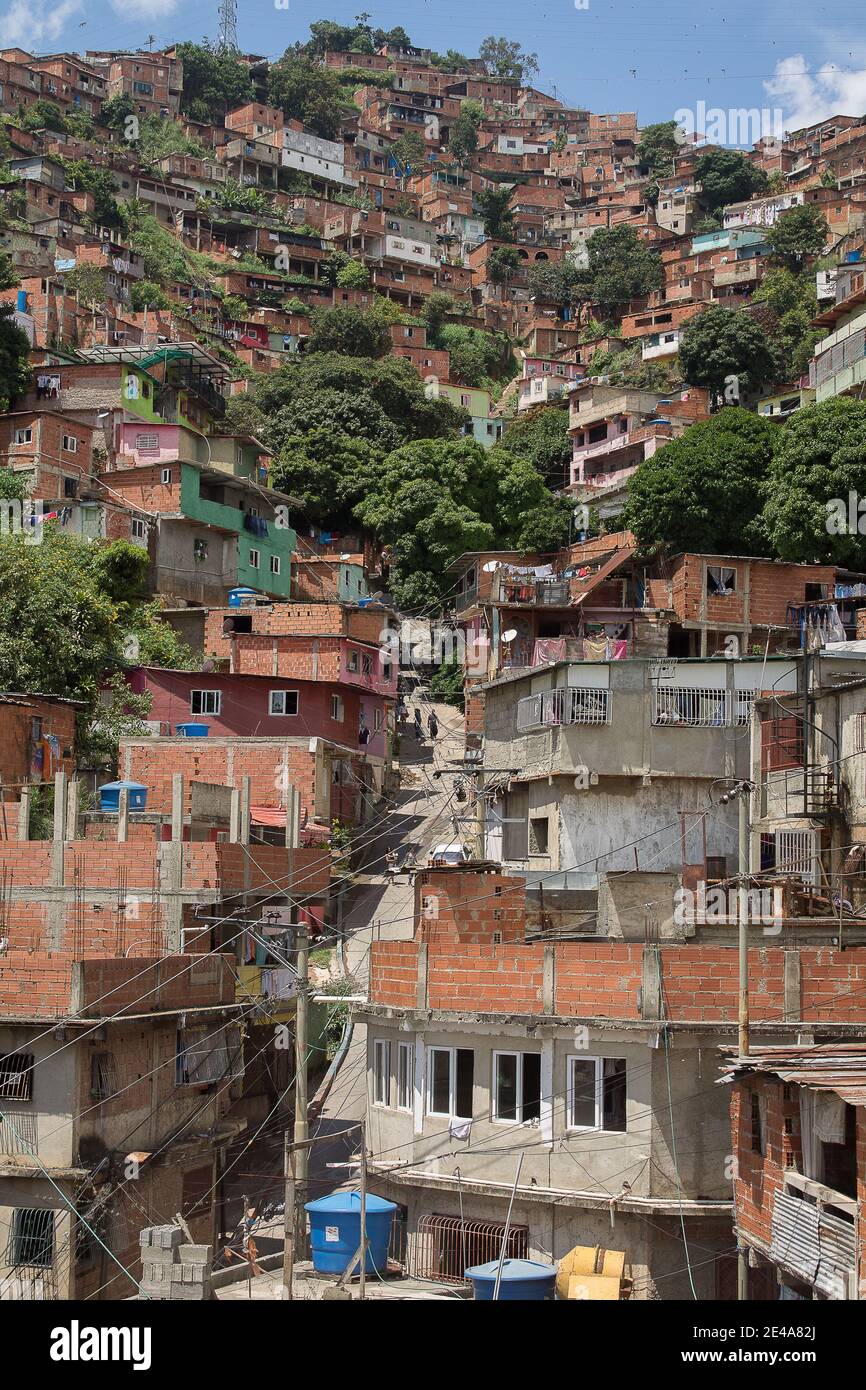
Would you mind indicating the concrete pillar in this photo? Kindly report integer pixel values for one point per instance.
(24, 812)
(177, 806)
(72, 803)
(123, 816)
(421, 994)
(59, 835)
(548, 980)
(244, 835)
(235, 816)
(791, 986)
(651, 985)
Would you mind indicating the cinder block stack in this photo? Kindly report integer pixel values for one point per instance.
(171, 1269)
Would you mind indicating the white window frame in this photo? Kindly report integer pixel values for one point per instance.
(275, 696)
(206, 699)
(276, 564)
(24, 436)
(255, 557)
(495, 1117)
(338, 709)
(382, 1072)
(405, 1076)
(598, 1126)
(451, 1113)
(166, 476)
(138, 529)
(70, 443)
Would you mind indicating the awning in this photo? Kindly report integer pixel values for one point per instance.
(268, 815)
(609, 566)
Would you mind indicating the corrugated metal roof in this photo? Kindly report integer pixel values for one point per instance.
(836, 1067)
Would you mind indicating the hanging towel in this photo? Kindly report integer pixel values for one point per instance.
(829, 1111)
(459, 1129)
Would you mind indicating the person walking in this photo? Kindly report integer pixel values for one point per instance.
(419, 732)
(433, 724)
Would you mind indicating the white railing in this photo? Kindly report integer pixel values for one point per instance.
(571, 705)
(690, 706)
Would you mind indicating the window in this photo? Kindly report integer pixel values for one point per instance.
(70, 487)
(103, 1076)
(516, 1086)
(24, 436)
(596, 1093)
(70, 443)
(337, 708)
(283, 702)
(758, 1129)
(166, 476)
(721, 581)
(31, 1237)
(275, 564)
(16, 1076)
(199, 550)
(366, 665)
(205, 701)
(539, 831)
(404, 1076)
(254, 559)
(381, 1072)
(139, 529)
(450, 1078)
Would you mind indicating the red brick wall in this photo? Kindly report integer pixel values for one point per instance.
(771, 588)
(17, 746)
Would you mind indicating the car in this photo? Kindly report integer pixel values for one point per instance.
(450, 854)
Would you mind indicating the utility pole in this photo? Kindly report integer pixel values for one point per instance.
(362, 1283)
(480, 846)
(743, 918)
(288, 1217)
(301, 1126)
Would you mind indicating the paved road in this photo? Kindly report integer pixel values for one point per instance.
(381, 909)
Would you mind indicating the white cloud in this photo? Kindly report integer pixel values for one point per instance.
(809, 96)
(35, 24)
(144, 9)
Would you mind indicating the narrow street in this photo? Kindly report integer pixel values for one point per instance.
(382, 909)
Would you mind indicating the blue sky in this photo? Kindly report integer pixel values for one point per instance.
(653, 57)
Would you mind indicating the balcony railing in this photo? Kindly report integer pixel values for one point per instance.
(572, 705)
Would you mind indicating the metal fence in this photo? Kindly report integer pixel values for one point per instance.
(446, 1246)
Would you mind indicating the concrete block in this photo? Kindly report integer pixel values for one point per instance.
(158, 1255)
(196, 1254)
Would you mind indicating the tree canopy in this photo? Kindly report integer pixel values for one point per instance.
(726, 350)
(621, 266)
(214, 81)
(704, 491)
(727, 176)
(819, 462)
(798, 233)
(506, 60)
(307, 92)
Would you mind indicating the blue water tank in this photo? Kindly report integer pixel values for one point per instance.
(192, 730)
(526, 1280)
(335, 1231)
(238, 597)
(109, 796)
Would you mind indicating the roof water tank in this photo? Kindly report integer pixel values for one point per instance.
(192, 730)
(527, 1280)
(335, 1231)
(109, 795)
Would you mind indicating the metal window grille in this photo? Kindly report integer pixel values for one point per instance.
(570, 705)
(16, 1076)
(796, 853)
(103, 1076)
(31, 1237)
(446, 1246)
(744, 702)
(690, 706)
(202, 1058)
(19, 1133)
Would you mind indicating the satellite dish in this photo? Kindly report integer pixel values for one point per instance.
(490, 566)
(510, 635)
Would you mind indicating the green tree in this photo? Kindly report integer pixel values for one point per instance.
(506, 60)
(100, 182)
(15, 375)
(703, 491)
(307, 92)
(622, 266)
(409, 150)
(540, 436)
(348, 331)
(214, 81)
(727, 350)
(158, 138)
(477, 358)
(797, 234)
(43, 115)
(464, 133)
(658, 147)
(819, 462)
(327, 469)
(501, 262)
(554, 280)
(446, 683)
(495, 213)
(353, 276)
(90, 287)
(728, 176)
(116, 112)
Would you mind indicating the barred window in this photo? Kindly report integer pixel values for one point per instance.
(16, 1076)
(103, 1075)
(31, 1237)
